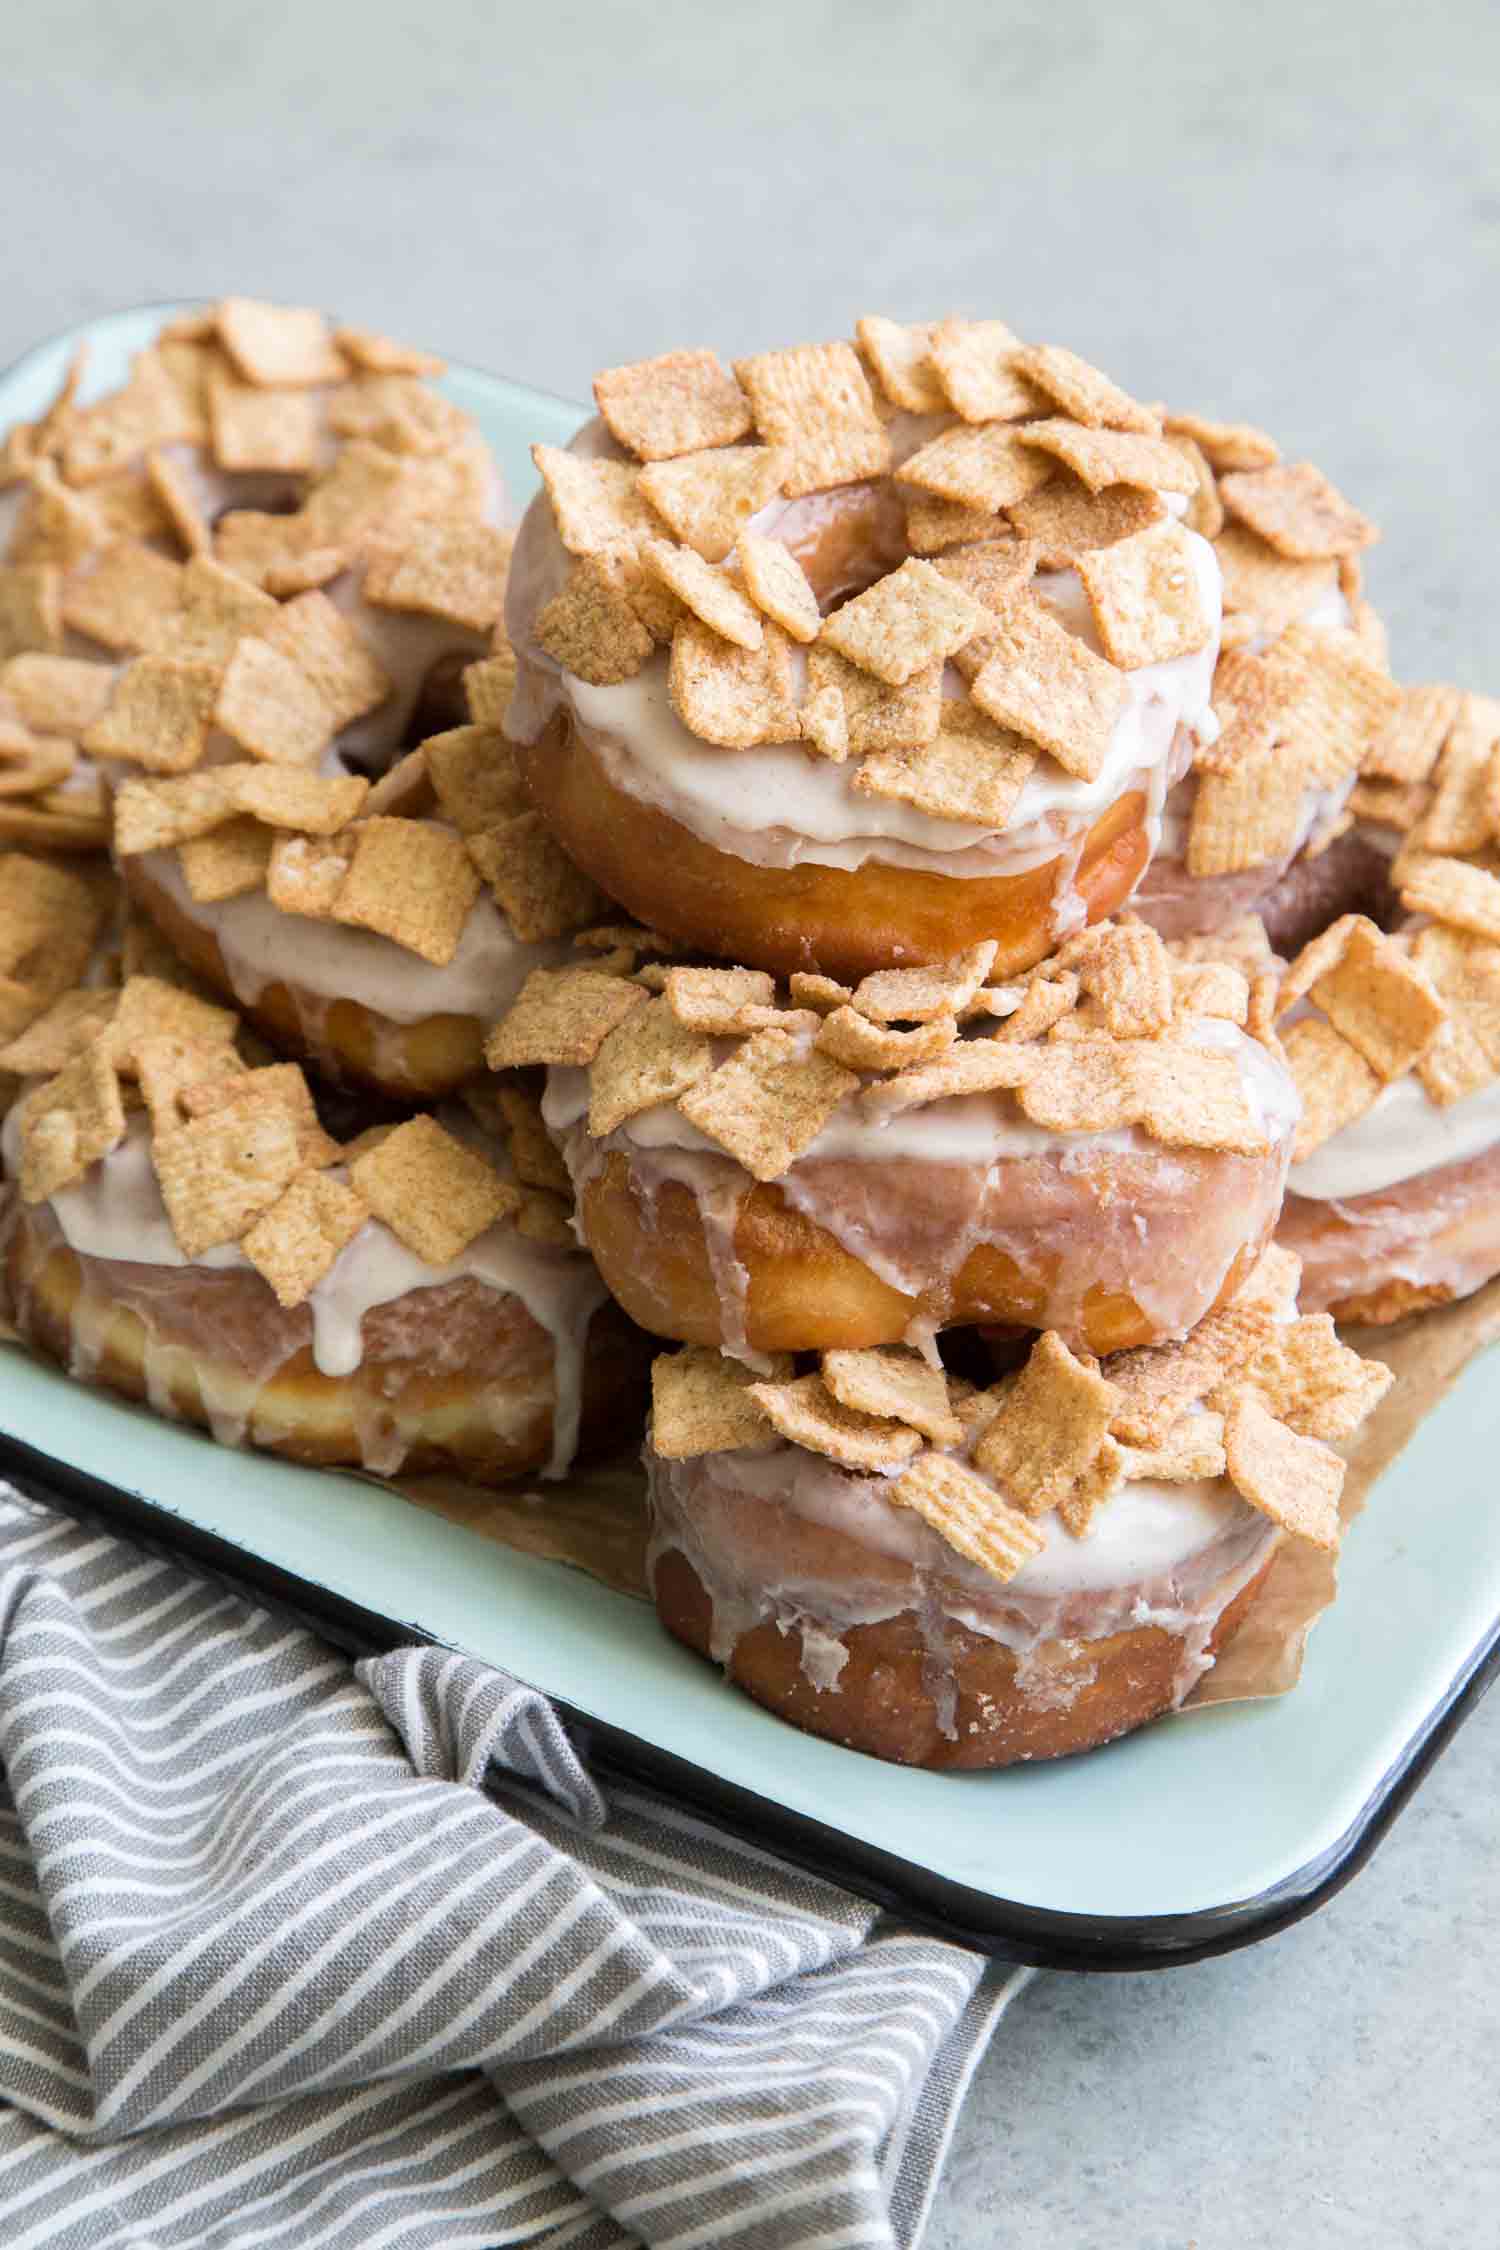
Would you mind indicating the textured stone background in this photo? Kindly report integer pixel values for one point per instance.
(1288, 212)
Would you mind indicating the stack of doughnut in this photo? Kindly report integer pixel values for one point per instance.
(261, 1178)
(902, 883)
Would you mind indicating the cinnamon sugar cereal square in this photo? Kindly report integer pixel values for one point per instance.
(815, 402)
(919, 995)
(1466, 897)
(1465, 971)
(1335, 1082)
(901, 355)
(972, 771)
(1159, 1382)
(1408, 746)
(1205, 510)
(158, 716)
(821, 994)
(710, 594)
(123, 598)
(1042, 682)
(909, 620)
(1226, 445)
(1296, 1481)
(305, 874)
(1189, 1096)
(1249, 817)
(706, 498)
(1047, 999)
(259, 429)
(475, 774)
(318, 804)
(270, 707)
(179, 503)
(28, 769)
(722, 1002)
(215, 610)
(1211, 988)
(1081, 391)
(561, 1016)
(1148, 605)
(769, 1101)
(435, 1194)
(278, 344)
(276, 1086)
(1459, 818)
(985, 466)
(489, 686)
(1260, 583)
(69, 1124)
(1066, 520)
(147, 1007)
(534, 1160)
(1104, 457)
(1082, 1085)
(30, 608)
(995, 570)
(1050, 1426)
(596, 505)
(894, 1383)
(648, 1059)
(701, 1402)
(227, 862)
(543, 895)
(852, 1039)
(877, 717)
(1252, 701)
(934, 525)
(1295, 509)
(1341, 702)
(382, 356)
(57, 694)
(676, 403)
(152, 816)
(332, 653)
(1192, 1448)
(976, 365)
(55, 1034)
(1306, 1377)
(733, 696)
(968, 1514)
(590, 628)
(167, 1064)
(1127, 969)
(806, 1413)
(218, 1173)
(778, 585)
(294, 1243)
(450, 569)
(972, 1066)
(410, 882)
(1379, 1001)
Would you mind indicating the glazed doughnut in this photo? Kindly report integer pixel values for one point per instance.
(402, 1304)
(823, 1178)
(1393, 1198)
(252, 454)
(970, 1580)
(830, 767)
(1238, 838)
(373, 948)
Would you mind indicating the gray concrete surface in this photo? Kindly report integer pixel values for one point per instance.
(1290, 212)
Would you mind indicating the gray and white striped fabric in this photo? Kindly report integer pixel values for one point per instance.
(302, 1954)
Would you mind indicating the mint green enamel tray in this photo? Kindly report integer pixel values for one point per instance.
(1190, 1837)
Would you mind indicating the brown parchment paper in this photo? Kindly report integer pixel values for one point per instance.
(596, 1520)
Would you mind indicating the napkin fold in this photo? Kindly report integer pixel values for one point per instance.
(312, 1955)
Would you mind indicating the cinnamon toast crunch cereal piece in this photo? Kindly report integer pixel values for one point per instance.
(278, 344)
(710, 594)
(806, 1413)
(729, 695)
(894, 1383)
(919, 995)
(985, 466)
(454, 569)
(1378, 1001)
(1335, 1082)
(1103, 457)
(968, 1514)
(253, 428)
(1043, 683)
(1145, 596)
(1226, 445)
(778, 585)
(1081, 391)
(973, 770)
(814, 401)
(152, 816)
(914, 617)
(476, 777)
(410, 882)
(1467, 898)
(1408, 746)
(158, 716)
(1267, 586)
(877, 717)
(69, 1124)
(1051, 1423)
(900, 352)
(1295, 509)
(649, 1058)
(434, 1193)
(590, 628)
(542, 893)
(1067, 520)
(123, 597)
(706, 498)
(702, 1402)
(769, 1101)
(57, 694)
(1295, 1481)
(598, 506)
(270, 707)
(678, 402)
(227, 862)
(976, 366)
(294, 1243)
(218, 1173)
(561, 1016)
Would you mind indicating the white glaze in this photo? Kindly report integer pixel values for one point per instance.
(1402, 1134)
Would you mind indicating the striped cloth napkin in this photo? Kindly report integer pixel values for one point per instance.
(312, 1955)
